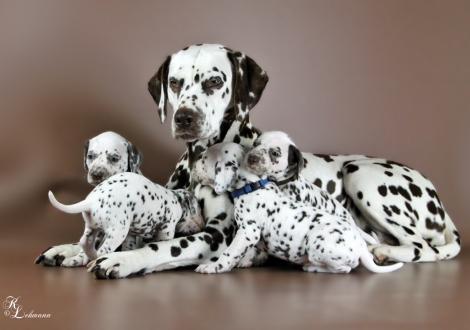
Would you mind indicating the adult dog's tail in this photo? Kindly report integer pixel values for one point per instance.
(452, 236)
(83, 206)
(368, 262)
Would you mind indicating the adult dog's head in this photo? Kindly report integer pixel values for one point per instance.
(201, 82)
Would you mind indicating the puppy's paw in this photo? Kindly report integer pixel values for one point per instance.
(77, 261)
(212, 268)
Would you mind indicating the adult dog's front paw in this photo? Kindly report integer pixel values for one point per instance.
(55, 255)
(115, 265)
(212, 268)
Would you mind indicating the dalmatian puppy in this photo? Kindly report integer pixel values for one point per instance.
(127, 206)
(105, 155)
(274, 154)
(300, 233)
(216, 111)
(404, 203)
(108, 154)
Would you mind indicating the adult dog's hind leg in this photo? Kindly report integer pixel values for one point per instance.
(394, 199)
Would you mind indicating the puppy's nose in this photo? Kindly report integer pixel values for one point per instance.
(253, 159)
(98, 174)
(184, 118)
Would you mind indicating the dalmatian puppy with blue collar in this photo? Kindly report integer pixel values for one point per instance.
(211, 89)
(296, 232)
(105, 155)
(127, 206)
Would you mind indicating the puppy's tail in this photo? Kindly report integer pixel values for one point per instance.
(368, 262)
(83, 206)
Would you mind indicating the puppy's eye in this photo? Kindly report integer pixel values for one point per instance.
(90, 156)
(114, 158)
(275, 153)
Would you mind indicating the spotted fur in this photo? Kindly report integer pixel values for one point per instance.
(394, 203)
(206, 118)
(127, 206)
(108, 154)
(327, 171)
(105, 155)
(296, 232)
(276, 156)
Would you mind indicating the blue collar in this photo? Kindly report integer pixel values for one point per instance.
(249, 188)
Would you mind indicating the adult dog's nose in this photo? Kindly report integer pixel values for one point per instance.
(184, 118)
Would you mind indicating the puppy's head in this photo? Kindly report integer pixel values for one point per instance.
(219, 166)
(108, 154)
(201, 82)
(274, 154)
(192, 221)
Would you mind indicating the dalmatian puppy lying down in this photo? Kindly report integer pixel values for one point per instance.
(105, 155)
(274, 154)
(315, 239)
(127, 206)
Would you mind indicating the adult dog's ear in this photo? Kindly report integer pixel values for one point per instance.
(158, 86)
(134, 158)
(87, 144)
(249, 81)
(295, 158)
(225, 175)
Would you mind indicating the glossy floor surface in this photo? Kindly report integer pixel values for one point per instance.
(277, 296)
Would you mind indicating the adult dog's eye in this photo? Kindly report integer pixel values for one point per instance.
(275, 153)
(213, 82)
(174, 83)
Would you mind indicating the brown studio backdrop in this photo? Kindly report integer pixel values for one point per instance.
(389, 79)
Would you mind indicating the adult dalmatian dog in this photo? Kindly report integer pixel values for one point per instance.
(211, 89)
(105, 155)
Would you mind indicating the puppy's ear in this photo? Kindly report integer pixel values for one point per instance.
(225, 175)
(249, 81)
(295, 158)
(87, 144)
(134, 158)
(189, 201)
(158, 86)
